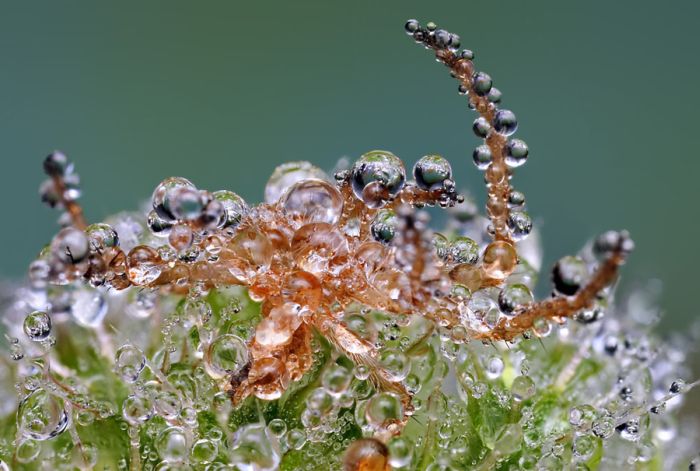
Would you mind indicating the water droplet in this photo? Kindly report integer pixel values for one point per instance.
(395, 364)
(204, 451)
(464, 250)
(482, 157)
(145, 265)
(505, 122)
(37, 326)
(377, 177)
(366, 454)
(129, 361)
(171, 444)
(482, 83)
(89, 307)
(494, 366)
(569, 274)
(101, 236)
(313, 201)
(514, 297)
(27, 451)
(181, 237)
(226, 355)
(523, 388)
(431, 171)
(499, 259)
(384, 226)
(400, 452)
(520, 224)
(383, 408)
(162, 198)
(70, 246)
(481, 127)
(277, 427)
(41, 415)
(336, 379)
(296, 439)
(253, 451)
(235, 207)
(136, 410)
(516, 153)
(287, 175)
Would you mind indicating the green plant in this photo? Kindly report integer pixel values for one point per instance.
(330, 328)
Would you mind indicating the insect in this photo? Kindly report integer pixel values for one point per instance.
(318, 248)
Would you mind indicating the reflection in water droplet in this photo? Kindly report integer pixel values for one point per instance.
(41, 415)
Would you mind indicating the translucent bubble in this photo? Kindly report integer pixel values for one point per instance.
(277, 427)
(204, 451)
(382, 408)
(494, 366)
(129, 362)
(520, 224)
(505, 122)
(442, 246)
(412, 26)
(464, 250)
(137, 409)
(181, 237)
(499, 259)
(513, 297)
(603, 427)
(482, 83)
(168, 404)
(361, 372)
(319, 401)
(377, 177)
(313, 201)
(495, 95)
(396, 365)
(185, 203)
(157, 225)
(431, 171)
(366, 454)
(171, 444)
(27, 451)
(226, 355)
(145, 265)
(70, 245)
(287, 175)
(235, 207)
(569, 274)
(336, 379)
(41, 415)
(523, 388)
(253, 451)
(384, 226)
(516, 199)
(482, 157)
(37, 326)
(89, 307)
(101, 236)
(296, 439)
(400, 452)
(162, 198)
(516, 152)
(481, 127)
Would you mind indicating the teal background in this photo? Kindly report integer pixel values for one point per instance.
(221, 92)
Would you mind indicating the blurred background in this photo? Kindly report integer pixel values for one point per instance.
(221, 92)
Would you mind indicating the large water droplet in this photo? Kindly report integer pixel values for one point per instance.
(41, 415)
(313, 201)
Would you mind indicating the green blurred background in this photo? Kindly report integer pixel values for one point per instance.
(221, 92)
